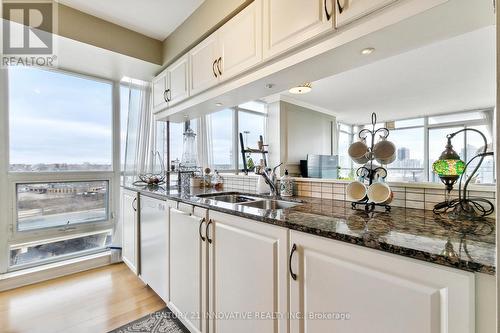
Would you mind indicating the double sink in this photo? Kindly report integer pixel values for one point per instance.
(250, 201)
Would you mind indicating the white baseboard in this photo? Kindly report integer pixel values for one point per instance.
(51, 271)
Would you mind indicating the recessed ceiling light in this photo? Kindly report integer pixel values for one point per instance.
(302, 89)
(219, 104)
(367, 51)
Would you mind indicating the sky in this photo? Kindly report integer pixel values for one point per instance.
(58, 118)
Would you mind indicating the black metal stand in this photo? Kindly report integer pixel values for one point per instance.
(368, 172)
(245, 151)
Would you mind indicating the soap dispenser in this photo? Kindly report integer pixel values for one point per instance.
(286, 185)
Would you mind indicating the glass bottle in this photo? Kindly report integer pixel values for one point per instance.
(189, 155)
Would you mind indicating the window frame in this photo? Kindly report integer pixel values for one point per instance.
(12, 178)
(350, 135)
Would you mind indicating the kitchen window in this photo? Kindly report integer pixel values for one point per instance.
(410, 150)
(220, 136)
(344, 141)
(58, 122)
(220, 139)
(61, 204)
(420, 142)
(252, 123)
(61, 156)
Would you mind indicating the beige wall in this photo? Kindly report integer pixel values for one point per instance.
(204, 20)
(89, 29)
(294, 132)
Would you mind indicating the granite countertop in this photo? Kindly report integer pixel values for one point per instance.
(414, 233)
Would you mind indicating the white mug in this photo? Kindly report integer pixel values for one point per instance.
(380, 193)
(384, 151)
(356, 190)
(358, 152)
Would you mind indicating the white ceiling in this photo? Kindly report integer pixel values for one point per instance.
(451, 75)
(153, 18)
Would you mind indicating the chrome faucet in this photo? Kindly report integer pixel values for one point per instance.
(271, 179)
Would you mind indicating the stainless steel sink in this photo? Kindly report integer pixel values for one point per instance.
(238, 199)
(270, 204)
(230, 198)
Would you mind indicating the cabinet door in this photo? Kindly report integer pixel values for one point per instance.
(129, 227)
(178, 89)
(160, 84)
(375, 292)
(240, 41)
(186, 273)
(350, 10)
(247, 274)
(287, 23)
(202, 60)
(154, 244)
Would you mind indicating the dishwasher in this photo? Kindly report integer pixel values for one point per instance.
(154, 244)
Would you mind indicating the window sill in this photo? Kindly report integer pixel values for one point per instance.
(45, 272)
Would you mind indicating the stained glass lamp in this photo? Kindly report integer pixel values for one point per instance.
(449, 167)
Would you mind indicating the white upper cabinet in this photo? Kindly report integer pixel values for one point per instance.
(203, 59)
(287, 23)
(351, 10)
(240, 41)
(379, 292)
(178, 87)
(160, 93)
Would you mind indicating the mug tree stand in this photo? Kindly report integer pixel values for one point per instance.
(369, 171)
(370, 174)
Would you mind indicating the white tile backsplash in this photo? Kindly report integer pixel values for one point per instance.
(409, 197)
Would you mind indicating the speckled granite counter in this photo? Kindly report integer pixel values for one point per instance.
(412, 233)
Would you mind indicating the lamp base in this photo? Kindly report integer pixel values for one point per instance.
(463, 211)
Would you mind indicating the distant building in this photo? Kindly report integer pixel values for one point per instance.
(403, 154)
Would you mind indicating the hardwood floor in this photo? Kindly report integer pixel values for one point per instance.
(94, 301)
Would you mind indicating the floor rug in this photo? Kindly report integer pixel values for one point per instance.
(163, 321)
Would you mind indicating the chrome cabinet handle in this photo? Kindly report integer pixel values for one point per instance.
(213, 67)
(292, 274)
(328, 15)
(206, 231)
(341, 9)
(133, 206)
(165, 95)
(199, 229)
(219, 61)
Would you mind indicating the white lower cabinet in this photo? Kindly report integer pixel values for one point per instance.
(232, 274)
(247, 275)
(130, 229)
(378, 292)
(188, 268)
